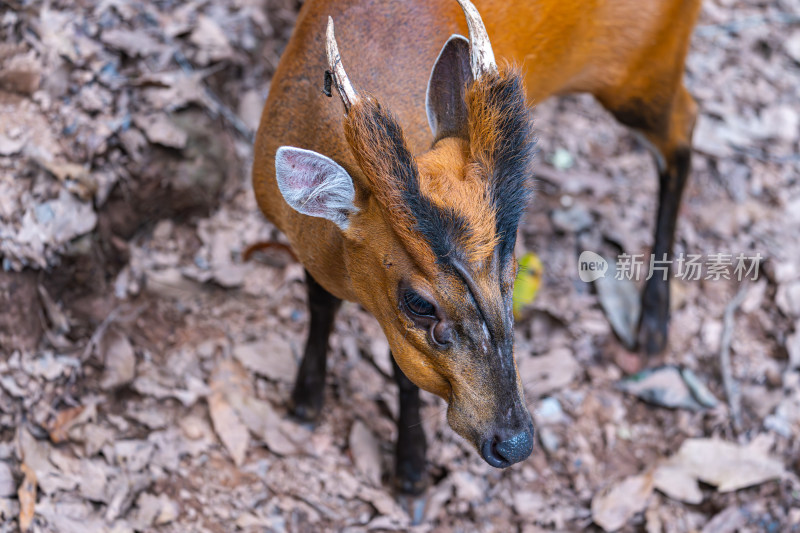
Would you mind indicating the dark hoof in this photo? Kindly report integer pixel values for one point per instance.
(410, 475)
(304, 413)
(652, 336)
(410, 486)
(304, 410)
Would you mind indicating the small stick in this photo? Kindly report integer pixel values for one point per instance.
(731, 387)
(266, 245)
(122, 313)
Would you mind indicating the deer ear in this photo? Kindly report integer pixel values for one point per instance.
(315, 185)
(444, 102)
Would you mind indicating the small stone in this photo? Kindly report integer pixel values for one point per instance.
(562, 159)
(549, 411)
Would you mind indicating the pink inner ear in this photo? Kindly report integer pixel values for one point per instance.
(306, 172)
(314, 184)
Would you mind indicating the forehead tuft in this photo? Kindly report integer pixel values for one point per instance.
(463, 199)
(454, 185)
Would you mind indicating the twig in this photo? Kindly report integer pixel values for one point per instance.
(731, 387)
(112, 317)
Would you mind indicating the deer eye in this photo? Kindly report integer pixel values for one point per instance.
(417, 305)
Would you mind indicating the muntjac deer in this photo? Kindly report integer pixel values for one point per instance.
(407, 199)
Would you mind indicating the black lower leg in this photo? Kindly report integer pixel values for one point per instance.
(411, 445)
(654, 319)
(309, 386)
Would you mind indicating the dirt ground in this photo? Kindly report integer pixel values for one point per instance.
(145, 367)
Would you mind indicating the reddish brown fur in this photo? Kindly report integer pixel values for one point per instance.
(448, 179)
(628, 53)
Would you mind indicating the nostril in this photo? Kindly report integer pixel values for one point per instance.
(503, 453)
(492, 455)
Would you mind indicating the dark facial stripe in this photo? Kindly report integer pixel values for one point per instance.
(442, 228)
(383, 155)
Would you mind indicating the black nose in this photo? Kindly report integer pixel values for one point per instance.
(502, 453)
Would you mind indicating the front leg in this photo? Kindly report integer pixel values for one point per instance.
(654, 319)
(410, 468)
(668, 128)
(309, 386)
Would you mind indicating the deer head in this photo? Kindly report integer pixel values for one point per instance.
(429, 240)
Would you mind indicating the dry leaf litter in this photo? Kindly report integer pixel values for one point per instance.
(145, 367)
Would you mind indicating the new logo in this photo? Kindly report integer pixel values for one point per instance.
(591, 266)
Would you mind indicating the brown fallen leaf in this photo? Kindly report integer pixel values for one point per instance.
(154, 510)
(366, 453)
(161, 130)
(615, 505)
(272, 358)
(619, 299)
(211, 39)
(669, 386)
(228, 381)
(528, 504)
(726, 465)
(119, 367)
(262, 420)
(250, 105)
(59, 321)
(175, 89)
(27, 498)
(547, 373)
(677, 484)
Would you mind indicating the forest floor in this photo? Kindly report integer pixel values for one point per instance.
(145, 367)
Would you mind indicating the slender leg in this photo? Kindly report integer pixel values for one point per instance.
(309, 386)
(654, 319)
(410, 466)
(668, 128)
